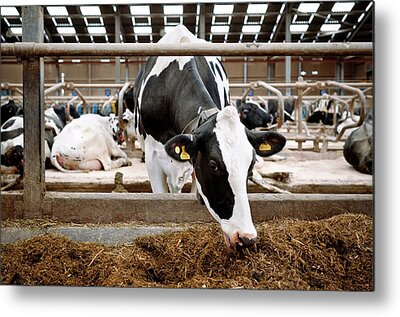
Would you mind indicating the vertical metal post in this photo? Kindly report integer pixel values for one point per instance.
(126, 70)
(288, 39)
(117, 40)
(202, 22)
(270, 73)
(340, 73)
(245, 72)
(298, 105)
(33, 86)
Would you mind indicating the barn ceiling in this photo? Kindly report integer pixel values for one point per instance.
(326, 21)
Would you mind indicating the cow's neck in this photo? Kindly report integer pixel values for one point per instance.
(198, 105)
(199, 120)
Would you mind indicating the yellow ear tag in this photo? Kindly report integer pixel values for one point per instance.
(184, 155)
(177, 149)
(264, 147)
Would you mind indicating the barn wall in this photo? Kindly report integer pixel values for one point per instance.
(257, 69)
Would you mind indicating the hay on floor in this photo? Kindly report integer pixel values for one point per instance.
(329, 254)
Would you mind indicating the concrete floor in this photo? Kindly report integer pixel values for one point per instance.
(310, 172)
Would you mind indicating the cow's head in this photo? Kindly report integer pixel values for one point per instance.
(113, 125)
(252, 114)
(14, 156)
(130, 123)
(222, 152)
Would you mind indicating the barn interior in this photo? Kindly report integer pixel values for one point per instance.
(311, 174)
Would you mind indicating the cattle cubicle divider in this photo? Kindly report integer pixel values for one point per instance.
(303, 88)
(34, 202)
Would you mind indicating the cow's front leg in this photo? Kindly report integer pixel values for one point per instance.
(158, 179)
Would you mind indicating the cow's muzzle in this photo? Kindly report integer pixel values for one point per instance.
(239, 241)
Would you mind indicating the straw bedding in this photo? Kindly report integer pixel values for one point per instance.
(328, 254)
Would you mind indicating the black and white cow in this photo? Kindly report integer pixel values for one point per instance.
(358, 147)
(272, 109)
(184, 113)
(252, 114)
(10, 109)
(12, 138)
(325, 113)
(89, 143)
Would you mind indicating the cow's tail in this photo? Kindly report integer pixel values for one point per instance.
(56, 164)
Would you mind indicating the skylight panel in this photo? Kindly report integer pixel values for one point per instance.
(308, 7)
(298, 28)
(330, 27)
(143, 30)
(257, 8)
(219, 29)
(66, 30)
(90, 10)
(58, 11)
(223, 9)
(251, 29)
(343, 6)
(141, 21)
(173, 9)
(96, 30)
(140, 10)
(16, 30)
(9, 11)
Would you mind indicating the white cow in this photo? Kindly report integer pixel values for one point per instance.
(88, 144)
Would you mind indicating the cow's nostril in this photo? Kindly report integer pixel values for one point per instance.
(246, 242)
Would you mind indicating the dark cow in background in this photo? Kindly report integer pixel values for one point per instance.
(12, 139)
(184, 114)
(358, 148)
(324, 114)
(252, 114)
(10, 109)
(288, 106)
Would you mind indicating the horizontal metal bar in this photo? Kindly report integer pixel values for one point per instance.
(28, 49)
(180, 208)
(231, 85)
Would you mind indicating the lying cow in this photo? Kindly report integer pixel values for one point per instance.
(273, 110)
(252, 114)
(179, 101)
(89, 143)
(12, 138)
(324, 114)
(358, 147)
(9, 110)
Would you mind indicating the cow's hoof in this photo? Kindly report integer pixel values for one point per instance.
(127, 162)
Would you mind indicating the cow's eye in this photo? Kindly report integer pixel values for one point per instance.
(213, 165)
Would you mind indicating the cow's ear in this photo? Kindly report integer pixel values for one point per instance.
(181, 147)
(266, 143)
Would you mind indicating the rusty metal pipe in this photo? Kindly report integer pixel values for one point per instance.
(85, 105)
(354, 90)
(107, 103)
(69, 103)
(121, 95)
(30, 49)
(281, 108)
(54, 88)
